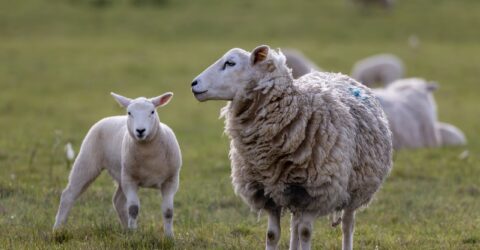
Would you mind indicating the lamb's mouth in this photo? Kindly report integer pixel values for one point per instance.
(199, 92)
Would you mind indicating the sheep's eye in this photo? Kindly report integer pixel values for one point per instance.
(129, 113)
(153, 111)
(228, 64)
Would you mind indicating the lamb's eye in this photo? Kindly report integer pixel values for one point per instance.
(153, 111)
(228, 64)
(129, 113)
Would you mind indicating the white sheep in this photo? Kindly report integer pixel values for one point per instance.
(299, 63)
(316, 146)
(450, 135)
(137, 150)
(378, 69)
(411, 112)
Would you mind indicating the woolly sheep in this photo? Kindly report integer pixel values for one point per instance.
(378, 69)
(411, 112)
(299, 63)
(137, 150)
(315, 146)
(450, 135)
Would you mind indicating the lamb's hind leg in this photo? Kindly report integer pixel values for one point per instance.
(348, 224)
(84, 172)
(273, 232)
(119, 203)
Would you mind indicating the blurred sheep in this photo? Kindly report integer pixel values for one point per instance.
(451, 135)
(299, 63)
(378, 69)
(387, 4)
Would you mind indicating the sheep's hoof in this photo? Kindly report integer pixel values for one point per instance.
(132, 224)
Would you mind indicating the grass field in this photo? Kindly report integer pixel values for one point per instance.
(60, 59)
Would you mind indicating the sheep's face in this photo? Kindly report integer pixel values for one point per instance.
(229, 75)
(142, 118)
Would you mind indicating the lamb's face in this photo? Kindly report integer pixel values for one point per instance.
(232, 73)
(142, 118)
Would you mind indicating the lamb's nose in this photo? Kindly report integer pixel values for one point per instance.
(194, 83)
(140, 131)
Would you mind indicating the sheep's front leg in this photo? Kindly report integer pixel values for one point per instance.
(133, 204)
(273, 232)
(348, 227)
(168, 189)
(294, 238)
(305, 229)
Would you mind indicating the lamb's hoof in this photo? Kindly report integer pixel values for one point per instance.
(132, 224)
(337, 222)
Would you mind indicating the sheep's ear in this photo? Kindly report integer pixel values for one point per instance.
(432, 86)
(122, 100)
(259, 54)
(162, 100)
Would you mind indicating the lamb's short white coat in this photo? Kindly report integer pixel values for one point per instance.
(378, 69)
(137, 150)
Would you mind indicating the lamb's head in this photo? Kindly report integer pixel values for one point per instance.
(237, 69)
(142, 120)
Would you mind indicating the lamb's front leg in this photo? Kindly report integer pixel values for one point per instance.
(294, 238)
(348, 227)
(168, 189)
(133, 204)
(273, 231)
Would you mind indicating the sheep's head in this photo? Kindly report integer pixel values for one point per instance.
(142, 120)
(235, 70)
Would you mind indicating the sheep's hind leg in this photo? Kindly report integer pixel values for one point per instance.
(348, 227)
(273, 232)
(84, 172)
(305, 229)
(119, 203)
(294, 238)
(168, 190)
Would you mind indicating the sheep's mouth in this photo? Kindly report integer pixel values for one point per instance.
(199, 92)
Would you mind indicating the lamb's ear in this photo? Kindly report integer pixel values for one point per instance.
(122, 100)
(259, 54)
(162, 100)
(432, 86)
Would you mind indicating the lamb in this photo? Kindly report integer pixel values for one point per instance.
(137, 150)
(315, 146)
(450, 135)
(378, 69)
(299, 63)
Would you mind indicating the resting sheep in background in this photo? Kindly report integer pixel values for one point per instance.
(137, 150)
(378, 69)
(411, 112)
(315, 146)
(299, 63)
(450, 135)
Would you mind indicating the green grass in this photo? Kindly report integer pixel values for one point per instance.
(60, 59)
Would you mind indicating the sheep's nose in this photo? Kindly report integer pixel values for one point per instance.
(140, 131)
(194, 83)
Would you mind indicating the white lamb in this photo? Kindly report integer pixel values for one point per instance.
(137, 150)
(316, 146)
(299, 63)
(378, 69)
